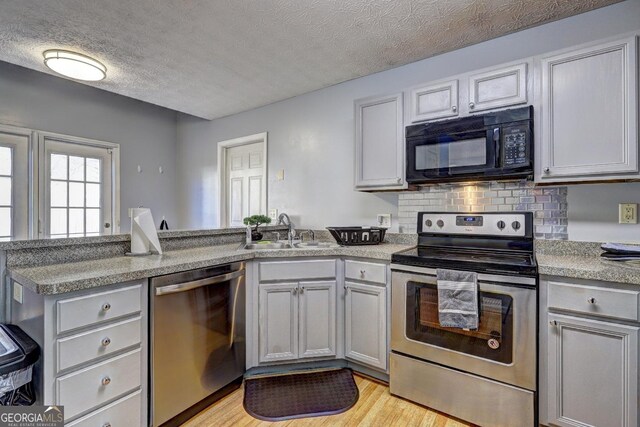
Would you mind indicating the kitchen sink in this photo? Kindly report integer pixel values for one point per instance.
(315, 245)
(265, 246)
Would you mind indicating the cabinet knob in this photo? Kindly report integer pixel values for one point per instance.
(106, 381)
(454, 108)
(553, 323)
(107, 424)
(301, 290)
(362, 273)
(399, 180)
(472, 105)
(591, 300)
(295, 291)
(106, 341)
(106, 306)
(547, 170)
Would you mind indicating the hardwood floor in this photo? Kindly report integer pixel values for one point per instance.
(376, 407)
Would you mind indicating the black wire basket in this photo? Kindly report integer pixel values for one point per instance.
(357, 236)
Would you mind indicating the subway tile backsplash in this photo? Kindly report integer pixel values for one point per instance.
(548, 204)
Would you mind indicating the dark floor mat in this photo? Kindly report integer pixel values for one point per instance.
(300, 395)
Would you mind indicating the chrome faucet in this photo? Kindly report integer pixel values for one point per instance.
(309, 232)
(283, 219)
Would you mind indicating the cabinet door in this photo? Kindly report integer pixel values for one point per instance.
(379, 143)
(434, 101)
(366, 324)
(589, 112)
(317, 319)
(498, 88)
(592, 373)
(278, 328)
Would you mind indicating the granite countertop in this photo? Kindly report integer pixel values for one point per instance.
(582, 260)
(67, 277)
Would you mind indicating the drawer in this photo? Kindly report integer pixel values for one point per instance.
(296, 270)
(594, 300)
(90, 309)
(123, 412)
(96, 343)
(88, 388)
(367, 271)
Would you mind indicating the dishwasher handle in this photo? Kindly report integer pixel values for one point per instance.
(187, 286)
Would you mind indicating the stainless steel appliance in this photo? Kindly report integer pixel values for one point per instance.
(496, 145)
(197, 340)
(486, 376)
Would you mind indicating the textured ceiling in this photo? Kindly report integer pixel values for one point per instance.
(212, 58)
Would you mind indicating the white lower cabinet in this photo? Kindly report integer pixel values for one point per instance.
(592, 373)
(278, 317)
(588, 353)
(297, 320)
(95, 352)
(366, 324)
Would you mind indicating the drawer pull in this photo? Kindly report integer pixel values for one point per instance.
(106, 381)
(107, 424)
(362, 273)
(591, 300)
(106, 306)
(106, 341)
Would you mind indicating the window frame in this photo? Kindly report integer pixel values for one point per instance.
(39, 177)
(21, 228)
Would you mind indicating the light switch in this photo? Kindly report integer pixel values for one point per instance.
(384, 220)
(17, 292)
(273, 214)
(280, 175)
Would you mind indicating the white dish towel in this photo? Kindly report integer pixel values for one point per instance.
(458, 299)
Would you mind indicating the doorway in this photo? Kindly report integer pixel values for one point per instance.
(242, 171)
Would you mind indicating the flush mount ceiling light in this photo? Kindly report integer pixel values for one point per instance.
(74, 65)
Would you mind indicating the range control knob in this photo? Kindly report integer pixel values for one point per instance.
(428, 223)
(516, 225)
(501, 225)
(440, 223)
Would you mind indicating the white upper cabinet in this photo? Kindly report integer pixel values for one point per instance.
(434, 101)
(379, 143)
(498, 88)
(588, 113)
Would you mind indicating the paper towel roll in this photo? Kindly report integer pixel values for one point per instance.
(143, 232)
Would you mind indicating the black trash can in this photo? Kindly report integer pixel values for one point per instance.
(18, 354)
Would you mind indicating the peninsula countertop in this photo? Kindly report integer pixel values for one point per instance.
(73, 276)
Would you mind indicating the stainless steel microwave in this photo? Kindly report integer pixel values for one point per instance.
(491, 146)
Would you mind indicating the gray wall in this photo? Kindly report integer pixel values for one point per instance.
(311, 136)
(146, 133)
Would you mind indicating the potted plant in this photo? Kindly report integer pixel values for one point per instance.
(256, 221)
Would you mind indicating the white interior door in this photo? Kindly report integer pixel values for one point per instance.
(244, 180)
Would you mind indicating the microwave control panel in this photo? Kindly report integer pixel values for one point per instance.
(515, 145)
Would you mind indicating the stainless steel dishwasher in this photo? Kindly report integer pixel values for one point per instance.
(197, 340)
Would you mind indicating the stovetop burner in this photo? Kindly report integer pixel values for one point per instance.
(491, 242)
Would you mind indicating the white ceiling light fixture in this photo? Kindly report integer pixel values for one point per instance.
(74, 65)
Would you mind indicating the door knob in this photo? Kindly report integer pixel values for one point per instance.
(107, 225)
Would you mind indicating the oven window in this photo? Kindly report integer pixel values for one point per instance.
(492, 340)
(452, 154)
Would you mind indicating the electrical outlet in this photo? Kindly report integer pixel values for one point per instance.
(628, 213)
(273, 214)
(280, 175)
(17, 292)
(384, 220)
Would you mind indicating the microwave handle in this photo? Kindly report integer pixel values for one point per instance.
(496, 141)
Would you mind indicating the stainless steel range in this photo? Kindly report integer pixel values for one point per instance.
(488, 375)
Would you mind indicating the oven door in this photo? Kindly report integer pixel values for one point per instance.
(452, 155)
(503, 347)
